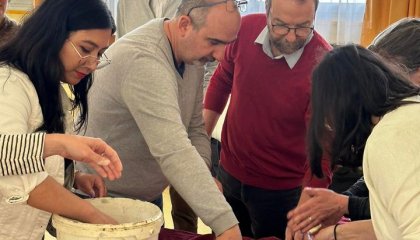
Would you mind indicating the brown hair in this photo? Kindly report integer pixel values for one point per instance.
(400, 43)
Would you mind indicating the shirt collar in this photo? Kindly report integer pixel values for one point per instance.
(291, 59)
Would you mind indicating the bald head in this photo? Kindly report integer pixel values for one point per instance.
(202, 28)
(198, 10)
(268, 4)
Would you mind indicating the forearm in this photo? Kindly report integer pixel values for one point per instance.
(197, 132)
(52, 197)
(355, 230)
(202, 144)
(190, 177)
(22, 154)
(53, 145)
(210, 120)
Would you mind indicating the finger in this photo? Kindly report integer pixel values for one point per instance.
(98, 169)
(92, 193)
(300, 221)
(104, 162)
(105, 191)
(310, 223)
(89, 189)
(305, 208)
(98, 163)
(291, 213)
(288, 234)
(100, 186)
(105, 151)
(311, 192)
(112, 155)
(298, 236)
(111, 175)
(116, 173)
(115, 166)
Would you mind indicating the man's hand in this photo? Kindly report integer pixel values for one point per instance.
(91, 184)
(219, 185)
(322, 206)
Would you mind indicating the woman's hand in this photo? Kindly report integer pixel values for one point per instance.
(91, 184)
(93, 151)
(99, 217)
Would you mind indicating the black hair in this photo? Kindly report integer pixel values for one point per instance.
(349, 86)
(35, 51)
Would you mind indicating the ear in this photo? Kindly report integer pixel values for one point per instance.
(184, 25)
(112, 39)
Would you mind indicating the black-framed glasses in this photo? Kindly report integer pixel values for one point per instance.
(100, 61)
(284, 30)
(231, 5)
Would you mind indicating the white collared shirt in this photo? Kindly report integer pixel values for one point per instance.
(291, 59)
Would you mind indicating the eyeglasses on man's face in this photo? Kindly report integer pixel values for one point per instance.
(281, 29)
(100, 61)
(231, 5)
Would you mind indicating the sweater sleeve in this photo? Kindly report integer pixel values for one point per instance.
(359, 207)
(153, 102)
(18, 99)
(358, 189)
(196, 131)
(17, 151)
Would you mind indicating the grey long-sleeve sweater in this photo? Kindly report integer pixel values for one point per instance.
(152, 116)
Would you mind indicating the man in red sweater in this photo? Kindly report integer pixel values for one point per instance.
(267, 71)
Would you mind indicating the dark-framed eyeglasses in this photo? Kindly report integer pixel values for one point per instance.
(284, 30)
(231, 5)
(100, 61)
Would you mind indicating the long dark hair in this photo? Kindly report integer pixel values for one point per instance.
(36, 47)
(349, 86)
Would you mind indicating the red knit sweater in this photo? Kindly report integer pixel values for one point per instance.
(263, 136)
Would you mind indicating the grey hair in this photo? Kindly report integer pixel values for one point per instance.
(268, 5)
(198, 15)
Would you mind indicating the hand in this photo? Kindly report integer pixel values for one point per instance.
(232, 233)
(289, 235)
(322, 206)
(93, 151)
(91, 184)
(325, 234)
(101, 218)
(219, 185)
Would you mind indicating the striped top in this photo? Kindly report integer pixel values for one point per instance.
(21, 153)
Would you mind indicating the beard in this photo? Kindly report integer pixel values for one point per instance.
(285, 47)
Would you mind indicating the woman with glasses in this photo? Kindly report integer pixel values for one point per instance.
(61, 43)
